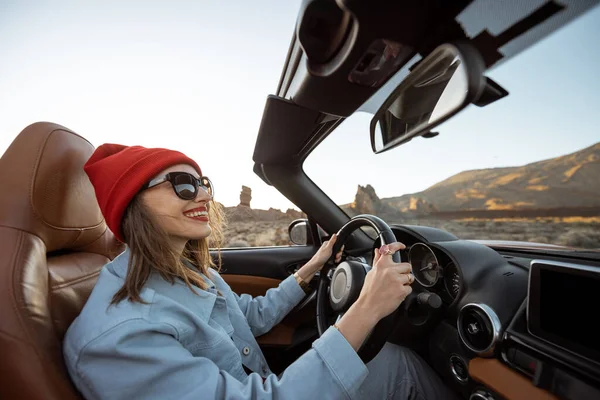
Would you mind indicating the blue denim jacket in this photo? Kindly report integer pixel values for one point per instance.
(193, 346)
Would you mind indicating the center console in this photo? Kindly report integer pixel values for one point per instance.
(553, 339)
(563, 306)
(541, 342)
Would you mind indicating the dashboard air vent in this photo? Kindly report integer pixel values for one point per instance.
(479, 328)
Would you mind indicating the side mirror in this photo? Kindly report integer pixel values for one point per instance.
(298, 231)
(441, 85)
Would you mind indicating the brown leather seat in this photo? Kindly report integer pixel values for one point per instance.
(53, 243)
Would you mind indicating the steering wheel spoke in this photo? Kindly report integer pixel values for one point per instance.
(330, 273)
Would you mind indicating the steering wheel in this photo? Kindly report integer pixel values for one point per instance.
(340, 286)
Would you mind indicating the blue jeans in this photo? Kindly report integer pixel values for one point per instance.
(399, 373)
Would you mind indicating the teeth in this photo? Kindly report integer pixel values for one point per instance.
(197, 214)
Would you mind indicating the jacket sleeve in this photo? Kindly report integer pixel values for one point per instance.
(142, 360)
(264, 312)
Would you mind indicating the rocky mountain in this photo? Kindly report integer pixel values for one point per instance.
(570, 181)
(366, 201)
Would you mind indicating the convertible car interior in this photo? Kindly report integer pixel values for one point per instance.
(495, 320)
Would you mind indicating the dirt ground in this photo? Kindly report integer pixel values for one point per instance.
(257, 233)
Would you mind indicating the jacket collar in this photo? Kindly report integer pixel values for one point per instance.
(201, 302)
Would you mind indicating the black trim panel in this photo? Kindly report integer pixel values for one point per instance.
(271, 262)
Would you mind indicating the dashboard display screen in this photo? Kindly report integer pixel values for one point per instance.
(563, 307)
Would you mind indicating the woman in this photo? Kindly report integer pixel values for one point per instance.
(161, 323)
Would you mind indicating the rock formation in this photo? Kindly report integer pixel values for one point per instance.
(420, 206)
(243, 212)
(366, 200)
(245, 196)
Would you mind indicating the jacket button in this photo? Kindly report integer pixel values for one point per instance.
(264, 369)
(246, 351)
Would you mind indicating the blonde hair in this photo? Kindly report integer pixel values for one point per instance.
(150, 251)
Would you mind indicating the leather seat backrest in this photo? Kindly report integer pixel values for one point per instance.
(53, 243)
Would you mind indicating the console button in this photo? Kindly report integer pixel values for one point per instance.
(481, 395)
(459, 369)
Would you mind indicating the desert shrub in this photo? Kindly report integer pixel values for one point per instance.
(539, 239)
(238, 243)
(475, 224)
(491, 225)
(584, 238)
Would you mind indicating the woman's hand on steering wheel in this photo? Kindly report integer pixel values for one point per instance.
(387, 284)
(322, 255)
(371, 316)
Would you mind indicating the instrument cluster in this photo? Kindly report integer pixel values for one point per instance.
(435, 272)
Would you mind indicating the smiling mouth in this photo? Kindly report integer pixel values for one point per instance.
(197, 215)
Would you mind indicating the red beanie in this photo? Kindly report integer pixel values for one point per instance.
(118, 173)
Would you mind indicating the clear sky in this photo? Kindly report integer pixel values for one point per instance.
(194, 76)
(553, 109)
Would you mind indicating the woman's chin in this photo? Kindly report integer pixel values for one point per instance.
(200, 232)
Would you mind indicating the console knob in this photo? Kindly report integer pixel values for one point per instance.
(481, 395)
(430, 299)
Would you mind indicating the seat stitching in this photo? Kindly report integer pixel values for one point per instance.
(74, 281)
(15, 294)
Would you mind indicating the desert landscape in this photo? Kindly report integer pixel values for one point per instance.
(252, 227)
(554, 201)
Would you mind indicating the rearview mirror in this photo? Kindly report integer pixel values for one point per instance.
(441, 85)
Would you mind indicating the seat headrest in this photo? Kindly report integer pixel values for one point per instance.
(45, 191)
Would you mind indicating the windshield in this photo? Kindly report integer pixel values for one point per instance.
(526, 168)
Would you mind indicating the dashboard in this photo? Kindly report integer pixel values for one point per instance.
(502, 324)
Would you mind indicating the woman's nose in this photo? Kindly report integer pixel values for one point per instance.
(203, 195)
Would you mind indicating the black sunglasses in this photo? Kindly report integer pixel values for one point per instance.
(184, 184)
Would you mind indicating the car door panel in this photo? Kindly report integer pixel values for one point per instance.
(257, 269)
(270, 262)
(280, 335)
(252, 285)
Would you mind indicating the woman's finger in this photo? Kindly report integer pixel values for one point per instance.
(404, 268)
(377, 256)
(385, 251)
(401, 269)
(333, 239)
(407, 279)
(388, 250)
(394, 247)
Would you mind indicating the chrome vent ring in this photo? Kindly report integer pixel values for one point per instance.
(479, 328)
